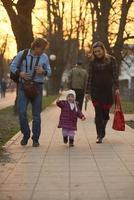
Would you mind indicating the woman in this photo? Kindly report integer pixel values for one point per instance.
(102, 81)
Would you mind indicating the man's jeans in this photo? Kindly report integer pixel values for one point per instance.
(36, 111)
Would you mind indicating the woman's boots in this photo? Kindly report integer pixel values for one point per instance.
(100, 128)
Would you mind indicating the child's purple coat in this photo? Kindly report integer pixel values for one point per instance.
(68, 117)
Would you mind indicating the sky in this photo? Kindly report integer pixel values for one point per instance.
(40, 12)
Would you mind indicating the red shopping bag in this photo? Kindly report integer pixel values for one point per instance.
(119, 122)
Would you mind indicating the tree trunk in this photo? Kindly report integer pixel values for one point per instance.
(120, 41)
(21, 21)
(101, 30)
(54, 84)
(55, 36)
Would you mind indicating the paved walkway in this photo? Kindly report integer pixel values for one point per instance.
(8, 100)
(88, 171)
(129, 117)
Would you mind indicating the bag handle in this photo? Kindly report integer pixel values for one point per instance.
(117, 103)
(23, 57)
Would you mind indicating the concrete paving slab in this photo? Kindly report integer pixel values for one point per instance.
(88, 171)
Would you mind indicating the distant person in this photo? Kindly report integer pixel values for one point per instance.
(102, 81)
(3, 88)
(32, 72)
(77, 80)
(70, 112)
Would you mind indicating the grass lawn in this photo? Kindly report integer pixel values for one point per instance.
(9, 124)
(130, 123)
(127, 107)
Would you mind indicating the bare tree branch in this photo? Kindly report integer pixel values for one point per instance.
(43, 24)
(128, 37)
(3, 46)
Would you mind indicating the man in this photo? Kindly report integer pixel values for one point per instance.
(36, 62)
(3, 88)
(77, 80)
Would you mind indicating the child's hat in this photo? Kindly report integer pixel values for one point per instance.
(71, 92)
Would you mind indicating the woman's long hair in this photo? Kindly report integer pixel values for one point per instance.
(101, 45)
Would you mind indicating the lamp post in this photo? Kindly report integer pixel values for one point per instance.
(52, 57)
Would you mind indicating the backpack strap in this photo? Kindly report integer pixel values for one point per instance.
(36, 64)
(23, 57)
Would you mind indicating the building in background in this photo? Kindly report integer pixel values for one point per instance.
(127, 72)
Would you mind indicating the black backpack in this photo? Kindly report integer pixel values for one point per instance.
(15, 77)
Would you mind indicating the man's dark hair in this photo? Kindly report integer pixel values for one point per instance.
(39, 43)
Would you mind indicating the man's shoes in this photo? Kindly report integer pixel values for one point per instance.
(24, 141)
(71, 142)
(65, 139)
(36, 144)
(99, 140)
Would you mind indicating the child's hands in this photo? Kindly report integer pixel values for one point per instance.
(83, 118)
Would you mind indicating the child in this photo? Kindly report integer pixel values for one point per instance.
(70, 112)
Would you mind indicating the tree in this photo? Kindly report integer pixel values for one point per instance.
(65, 38)
(2, 59)
(102, 21)
(55, 16)
(125, 6)
(21, 21)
